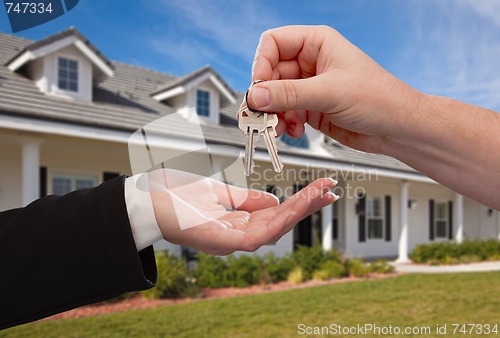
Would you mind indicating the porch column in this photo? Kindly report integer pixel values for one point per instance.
(327, 227)
(459, 218)
(498, 223)
(30, 169)
(403, 222)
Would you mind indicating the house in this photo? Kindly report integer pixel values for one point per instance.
(67, 114)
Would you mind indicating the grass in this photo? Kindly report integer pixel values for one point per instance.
(408, 300)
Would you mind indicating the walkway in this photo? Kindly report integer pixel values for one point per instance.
(472, 267)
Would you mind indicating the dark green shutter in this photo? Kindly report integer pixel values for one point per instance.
(361, 210)
(388, 220)
(431, 220)
(450, 220)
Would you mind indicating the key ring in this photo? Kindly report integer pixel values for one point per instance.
(246, 97)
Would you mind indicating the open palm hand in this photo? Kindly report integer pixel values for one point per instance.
(219, 219)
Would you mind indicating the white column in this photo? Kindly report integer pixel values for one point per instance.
(403, 222)
(498, 224)
(327, 227)
(459, 218)
(30, 169)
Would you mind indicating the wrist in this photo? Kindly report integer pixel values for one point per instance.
(411, 123)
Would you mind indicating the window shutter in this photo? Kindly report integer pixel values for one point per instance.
(431, 220)
(106, 176)
(361, 210)
(388, 220)
(450, 220)
(43, 181)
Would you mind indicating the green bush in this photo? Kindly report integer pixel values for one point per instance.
(210, 271)
(357, 268)
(174, 278)
(333, 269)
(309, 259)
(321, 275)
(380, 266)
(453, 253)
(312, 258)
(276, 268)
(296, 276)
(243, 270)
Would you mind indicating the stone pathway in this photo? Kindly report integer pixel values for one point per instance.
(472, 267)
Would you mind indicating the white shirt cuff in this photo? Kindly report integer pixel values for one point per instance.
(140, 211)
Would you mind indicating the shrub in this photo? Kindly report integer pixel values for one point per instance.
(380, 266)
(276, 268)
(452, 253)
(320, 275)
(243, 270)
(357, 268)
(296, 276)
(329, 270)
(173, 277)
(309, 259)
(312, 258)
(209, 271)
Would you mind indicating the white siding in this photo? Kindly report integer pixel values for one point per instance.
(419, 217)
(372, 248)
(45, 74)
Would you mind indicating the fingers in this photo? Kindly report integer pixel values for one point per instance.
(283, 44)
(250, 200)
(287, 95)
(283, 218)
(308, 200)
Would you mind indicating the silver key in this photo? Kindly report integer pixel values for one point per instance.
(253, 124)
(270, 139)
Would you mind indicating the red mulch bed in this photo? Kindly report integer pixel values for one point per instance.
(139, 302)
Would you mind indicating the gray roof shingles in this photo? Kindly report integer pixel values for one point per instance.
(124, 102)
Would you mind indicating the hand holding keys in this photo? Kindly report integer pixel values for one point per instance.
(255, 123)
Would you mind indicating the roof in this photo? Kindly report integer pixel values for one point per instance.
(207, 72)
(28, 52)
(124, 102)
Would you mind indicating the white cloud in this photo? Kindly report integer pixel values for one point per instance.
(198, 32)
(455, 50)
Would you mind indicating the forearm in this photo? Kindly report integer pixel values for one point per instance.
(454, 143)
(61, 252)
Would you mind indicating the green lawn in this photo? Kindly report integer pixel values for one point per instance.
(404, 301)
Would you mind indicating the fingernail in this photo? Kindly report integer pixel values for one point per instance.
(335, 181)
(336, 197)
(261, 97)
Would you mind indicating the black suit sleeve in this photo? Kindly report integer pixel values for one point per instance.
(62, 252)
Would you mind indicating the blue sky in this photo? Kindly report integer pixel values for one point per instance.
(446, 47)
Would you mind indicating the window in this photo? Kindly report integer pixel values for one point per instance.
(441, 219)
(202, 103)
(67, 74)
(65, 183)
(301, 142)
(375, 217)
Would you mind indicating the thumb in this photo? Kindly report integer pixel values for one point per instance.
(285, 95)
